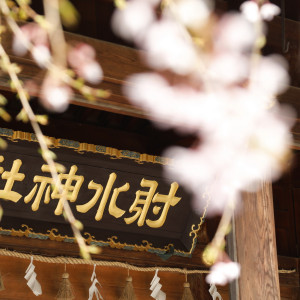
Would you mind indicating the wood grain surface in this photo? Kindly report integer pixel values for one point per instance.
(256, 247)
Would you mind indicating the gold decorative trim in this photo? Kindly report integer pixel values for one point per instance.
(54, 235)
(81, 148)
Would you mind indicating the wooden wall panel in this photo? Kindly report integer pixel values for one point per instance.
(112, 281)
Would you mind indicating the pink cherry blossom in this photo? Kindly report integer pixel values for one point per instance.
(253, 12)
(268, 11)
(29, 33)
(82, 59)
(131, 22)
(221, 63)
(41, 54)
(238, 149)
(81, 53)
(234, 33)
(223, 272)
(192, 13)
(270, 75)
(91, 72)
(169, 47)
(20, 44)
(35, 37)
(250, 10)
(55, 95)
(225, 99)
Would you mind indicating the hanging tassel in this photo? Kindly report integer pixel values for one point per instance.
(32, 282)
(65, 289)
(1, 283)
(187, 293)
(128, 292)
(155, 287)
(93, 290)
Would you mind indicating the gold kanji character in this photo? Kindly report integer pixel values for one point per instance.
(141, 212)
(168, 200)
(69, 191)
(10, 178)
(112, 209)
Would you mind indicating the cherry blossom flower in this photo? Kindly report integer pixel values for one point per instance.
(223, 272)
(33, 35)
(41, 54)
(238, 148)
(91, 72)
(269, 10)
(192, 13)
(253, 12)
(233, 33)
(131, 22)
(82, 59)
(55, 95)
(80, 53)
(20, 44)
(219, 65)
(270, 75)
(225, 94)
(171, 109)
(169, 47)
(29, 33)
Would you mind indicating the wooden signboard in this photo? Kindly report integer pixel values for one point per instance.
(120, 196)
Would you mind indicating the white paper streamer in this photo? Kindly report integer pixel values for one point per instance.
(32, 282)
(155, 287)
(93, 290)
(214, 293)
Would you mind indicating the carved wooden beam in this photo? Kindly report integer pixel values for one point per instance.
(138, 258)
(118, 62)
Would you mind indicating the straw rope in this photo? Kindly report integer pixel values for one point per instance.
(80, 261)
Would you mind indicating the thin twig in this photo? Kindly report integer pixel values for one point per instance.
(84, 249)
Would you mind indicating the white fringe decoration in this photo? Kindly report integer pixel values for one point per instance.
(214, 293)
(155, 287)
(32, 282)
(93, 289)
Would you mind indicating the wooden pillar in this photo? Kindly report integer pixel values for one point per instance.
(256, 246)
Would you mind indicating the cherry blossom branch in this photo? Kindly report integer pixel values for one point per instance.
(55, 32)
(210, 79)
(215, 248)
(56, 64)
(12, 71)
(29, 11)
(46, 153)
